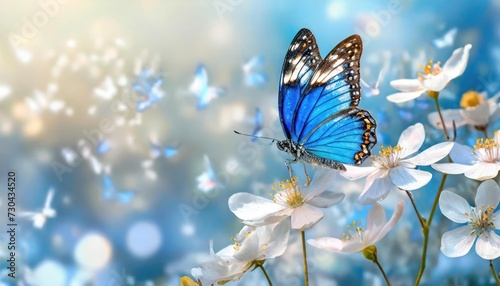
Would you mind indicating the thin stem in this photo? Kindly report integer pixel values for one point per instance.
(382, 270)
(265, 274)
(436, 200)
(420, 218)
(304, 256)
(426, 229)
(494, 273)
(441, 118)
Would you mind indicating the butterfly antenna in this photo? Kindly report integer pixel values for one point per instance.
(249, 135)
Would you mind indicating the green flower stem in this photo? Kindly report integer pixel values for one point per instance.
(494, 273)
(426, 228)
(382, 270)
(304, 255)
(265, 274)
(420, 218)
(441, 117)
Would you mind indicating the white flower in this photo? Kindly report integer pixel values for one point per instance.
(358, 238)
(479, 163)
(300, 203)
(391, 169)
(481, 222)
(476, 111)
(251, 246)
(434, 78)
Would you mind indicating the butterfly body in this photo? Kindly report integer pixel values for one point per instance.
(318, 101)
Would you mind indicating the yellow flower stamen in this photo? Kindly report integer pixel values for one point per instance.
(471, 99)
(289, 194)
(486, 150)
(354, 231)
(481, 220)
(387, 158)
(430, 69)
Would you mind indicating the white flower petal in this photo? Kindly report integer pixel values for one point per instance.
(279, 239)
(456, 64)
(376, 218)
(411, 139)
(496, 219)
(326, 199)
(482, 171)
(431, 154)
(332, 244)
(401, 97)
(354, 173)
(478, 115)
(488, 194)
(454, 207)
(305, 217)
(436, 82)
(462, 154)
(378, 190)
(488, 245)
(251, 207)
(406, 85)
(409, 179)
(323, 179)
(378, 173)
(249, 248)
(451, 168)
(376, 236)
(355, 245)
(457, 242)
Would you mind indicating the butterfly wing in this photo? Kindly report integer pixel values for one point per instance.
(333, 87)
(300, 62)
(345, 137)
(326, 121)
(200, 81)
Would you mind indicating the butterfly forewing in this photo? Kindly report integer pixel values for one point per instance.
(333, 87)
(300, 62)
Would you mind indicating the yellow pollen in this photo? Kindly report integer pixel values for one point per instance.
(471, 99)
(481, 220)
(488, 143)
(430, 69)
(289, 194)
(389, 150)
(387, 157)
(353, 231)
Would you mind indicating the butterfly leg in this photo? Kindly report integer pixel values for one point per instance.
(288, 164)
(307, 175)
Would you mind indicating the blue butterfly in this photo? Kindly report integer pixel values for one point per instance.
(200, 88)
(109, 192)
(167, 152)
(252, 70)
(149, 86)
(318, 104)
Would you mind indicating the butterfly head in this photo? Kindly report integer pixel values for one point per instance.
(286, 146)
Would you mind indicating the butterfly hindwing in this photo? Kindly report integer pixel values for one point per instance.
(333, 87)
(345, 137)
(300, 62)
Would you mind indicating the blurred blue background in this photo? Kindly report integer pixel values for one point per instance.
(140, 191)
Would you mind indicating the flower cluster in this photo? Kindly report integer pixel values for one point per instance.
(398, 167)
